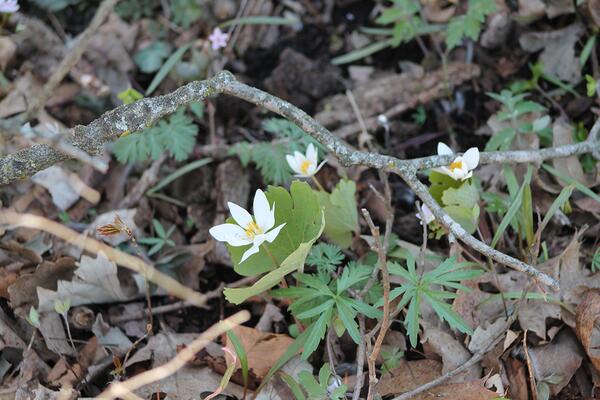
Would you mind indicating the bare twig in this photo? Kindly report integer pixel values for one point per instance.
(149, 178)
(120, 389)
(113, 254)
(136, 116)
(72, 57)
(360, 358)
(378, 246)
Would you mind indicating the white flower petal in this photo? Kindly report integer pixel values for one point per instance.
(444, 150)
(311, 154)
(272, 235)
(265, 219)
(471, 157)
(293, 163)
(230, 233)
(320, 166)
(252, 250)
(240, 215)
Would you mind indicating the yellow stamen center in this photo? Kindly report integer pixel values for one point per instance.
(304, 166)
(252, 230)
(456, 165)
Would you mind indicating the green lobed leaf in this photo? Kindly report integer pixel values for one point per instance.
(341, 215)
(299, 209)
(151, 57)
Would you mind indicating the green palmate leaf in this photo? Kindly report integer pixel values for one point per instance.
(461, 204)
(302, 215)
(466, 195)
(293, 262)
(439, 184)
(341, 215)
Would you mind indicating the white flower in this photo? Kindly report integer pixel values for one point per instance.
(425, 215)
(249, 230)
(462, 167)
(9, 6)
(218, 39)
(305, 166)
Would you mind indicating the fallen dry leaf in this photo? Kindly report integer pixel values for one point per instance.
(587, 316)
(451, 351)
(562, 134)
(559, 359)
(470, 390)
(7, 51)
(263, 349)
(95, 281)
(409, 375)
(558, 55)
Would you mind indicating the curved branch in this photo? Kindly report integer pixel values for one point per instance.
(136, 116)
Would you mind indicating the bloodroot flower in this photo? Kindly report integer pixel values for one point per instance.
(305, 166)
(425, 215)
(462, 167)
(9, 6)
(218, 39)
(247, 229)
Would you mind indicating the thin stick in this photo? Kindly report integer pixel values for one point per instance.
(378, 246)
(94, 246)
(133, 117)
(119, 389)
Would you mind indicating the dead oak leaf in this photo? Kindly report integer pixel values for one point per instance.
(262, 349)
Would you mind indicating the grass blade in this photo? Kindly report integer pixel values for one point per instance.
(578, 185)
(362, 52)
(179, 173)
(260, 20)
(513, 209)
(166, 68)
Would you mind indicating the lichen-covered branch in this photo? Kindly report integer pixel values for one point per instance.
(136, 116)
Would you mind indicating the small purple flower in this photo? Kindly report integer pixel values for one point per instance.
(217, 39)
(9, 6)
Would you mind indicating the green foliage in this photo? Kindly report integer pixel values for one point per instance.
(151, 58)
(515, 110)
(469, 24)
(319, 301)
(523, 222)
(33, 317)
(129, 96)
(162, 238)
(404, 14)
(391, 359)
(177, 136)
(299, 209)
(326, 257)
(62, 307)
(136, 9)
(269, 157)
(318, 390)
(590, 85)
(458, 198)
(341, 215)
(419, 287)
(419, 116)
(185, 12)
(596, 261)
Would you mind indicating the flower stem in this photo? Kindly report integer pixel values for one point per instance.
(317, 183)
(271, 256)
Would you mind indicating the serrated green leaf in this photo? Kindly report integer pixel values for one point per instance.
(317, 332)
(501, 140)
